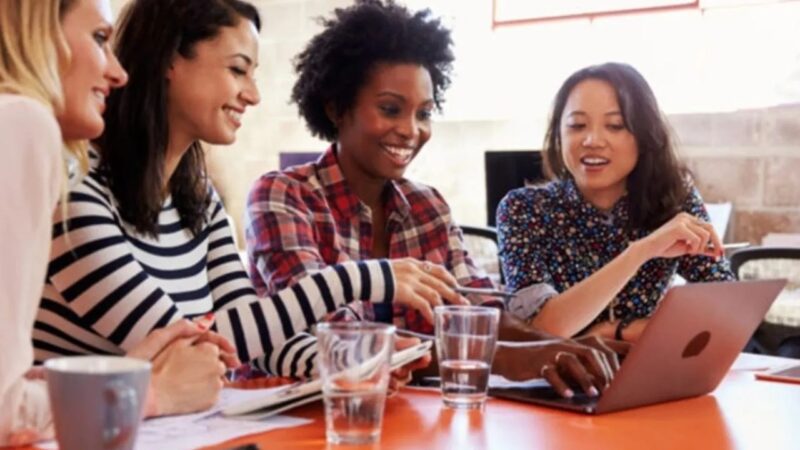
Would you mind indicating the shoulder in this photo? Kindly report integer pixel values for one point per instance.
(274, 185)
(419, 194)
(25, 120)
(532, 199)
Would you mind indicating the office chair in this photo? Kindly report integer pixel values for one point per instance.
(779, 333)
(481, 245)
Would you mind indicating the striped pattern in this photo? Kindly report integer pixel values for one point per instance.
(107, 287)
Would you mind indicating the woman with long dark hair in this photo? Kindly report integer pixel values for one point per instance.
(595, 249)
(147, 241)
(56, 69)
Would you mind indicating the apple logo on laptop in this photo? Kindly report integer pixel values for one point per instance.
(696, 345)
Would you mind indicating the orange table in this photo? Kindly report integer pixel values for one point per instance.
(742, 413)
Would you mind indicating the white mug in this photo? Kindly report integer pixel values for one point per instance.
(97, 401)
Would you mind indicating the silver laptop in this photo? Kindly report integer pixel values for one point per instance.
(692, 340)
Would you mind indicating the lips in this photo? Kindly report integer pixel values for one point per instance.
(400, 155)
(594, 161)
(234, 114)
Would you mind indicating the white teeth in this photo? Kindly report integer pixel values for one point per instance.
(402, 153)
(594, 161)
(235, 115)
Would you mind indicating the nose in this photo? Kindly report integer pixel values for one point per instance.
(409, 128)
(594, 138)
(250, 94)
(116, 75)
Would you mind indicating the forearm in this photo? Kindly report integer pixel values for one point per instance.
(571, 311)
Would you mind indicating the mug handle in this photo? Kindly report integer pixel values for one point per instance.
(122, 413)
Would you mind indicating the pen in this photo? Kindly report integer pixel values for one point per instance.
(484, 291)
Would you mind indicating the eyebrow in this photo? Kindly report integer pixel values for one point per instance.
(398, 96)
(582, 113)
(246, 58)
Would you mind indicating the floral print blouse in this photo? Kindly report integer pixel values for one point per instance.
(551, 238)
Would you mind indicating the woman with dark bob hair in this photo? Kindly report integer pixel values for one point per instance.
(596, 248)
(369, 83)
(148, 241)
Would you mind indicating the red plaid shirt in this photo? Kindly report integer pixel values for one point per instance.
(305, 218)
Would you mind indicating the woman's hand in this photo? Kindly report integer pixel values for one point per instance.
(422, 285)
(402, 376)
(188, 364)
(684, 234)
(562, 364)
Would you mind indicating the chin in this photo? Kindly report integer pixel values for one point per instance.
(220, 139)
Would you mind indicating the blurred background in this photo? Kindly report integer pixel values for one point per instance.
(726, 73)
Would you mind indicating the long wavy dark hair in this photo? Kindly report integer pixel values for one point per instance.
(658, 185)
(133, 147)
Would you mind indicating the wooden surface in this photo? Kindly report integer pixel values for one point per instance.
(742, 413)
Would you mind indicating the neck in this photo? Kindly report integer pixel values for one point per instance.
(604, 199)
(367, 188)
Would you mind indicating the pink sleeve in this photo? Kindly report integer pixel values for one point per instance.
(30, 179)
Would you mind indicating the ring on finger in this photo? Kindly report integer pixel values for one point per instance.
(559, 355)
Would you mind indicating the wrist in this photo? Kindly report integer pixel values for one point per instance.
(499, 362)
(151, 402)
(638, 252)
(621, 326)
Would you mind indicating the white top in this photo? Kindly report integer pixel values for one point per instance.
(31, 176)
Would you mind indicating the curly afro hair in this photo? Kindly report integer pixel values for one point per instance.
(336, 63)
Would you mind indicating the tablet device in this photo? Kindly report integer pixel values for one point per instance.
(293, 395)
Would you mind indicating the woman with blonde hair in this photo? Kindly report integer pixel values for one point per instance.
(56, 68)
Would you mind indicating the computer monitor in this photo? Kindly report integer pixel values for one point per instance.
(507, 170)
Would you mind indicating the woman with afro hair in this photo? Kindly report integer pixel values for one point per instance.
(369, 84)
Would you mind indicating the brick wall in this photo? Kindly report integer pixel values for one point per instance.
(750, 158)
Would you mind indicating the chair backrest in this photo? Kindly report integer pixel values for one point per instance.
(481, 245)
(768, 262)
(773, 262)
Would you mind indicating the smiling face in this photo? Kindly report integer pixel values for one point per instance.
(210, 90)
(92, 72)
(597, 148)
(388, 124)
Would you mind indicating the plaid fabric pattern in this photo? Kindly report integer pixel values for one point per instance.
(305, 218)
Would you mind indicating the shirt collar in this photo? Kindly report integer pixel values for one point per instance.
(618, 213)
(344, 200)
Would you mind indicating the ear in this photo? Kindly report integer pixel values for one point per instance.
(333, 116)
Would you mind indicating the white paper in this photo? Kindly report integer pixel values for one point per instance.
(191, 431)
(499, 381)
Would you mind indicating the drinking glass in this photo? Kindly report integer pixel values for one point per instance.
(354, 366)
(465, 344)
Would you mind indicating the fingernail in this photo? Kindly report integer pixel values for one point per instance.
(569, 394)
(209, 316)
(592, 392)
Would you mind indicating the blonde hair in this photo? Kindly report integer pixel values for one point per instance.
(33, 55)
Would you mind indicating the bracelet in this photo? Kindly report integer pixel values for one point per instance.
(621, 325)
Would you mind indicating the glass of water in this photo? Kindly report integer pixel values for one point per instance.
(354, 366)
(465, 343)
